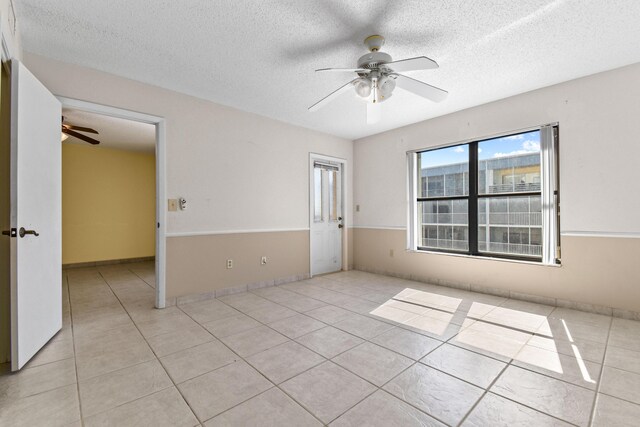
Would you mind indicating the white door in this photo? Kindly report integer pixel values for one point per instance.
(36, 248)
(326, 217)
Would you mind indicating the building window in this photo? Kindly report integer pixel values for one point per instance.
(495, 197)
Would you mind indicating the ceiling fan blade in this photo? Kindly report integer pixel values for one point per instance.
(80, 136)
(413, 64)
(346, 70)
(324, 101)
(420, 88)
(80, 128)
(374, 112)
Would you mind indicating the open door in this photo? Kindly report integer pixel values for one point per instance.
(36, 249)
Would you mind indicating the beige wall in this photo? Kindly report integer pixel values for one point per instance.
(108, 204)
(238, 171)
(199, 263)
(599, 154)
(595, 270)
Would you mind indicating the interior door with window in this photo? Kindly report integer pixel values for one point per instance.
(326, 218)
(35, 233)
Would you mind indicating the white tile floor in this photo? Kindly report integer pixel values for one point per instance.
(346, 349)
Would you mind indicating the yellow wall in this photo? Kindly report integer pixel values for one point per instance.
(108, 204)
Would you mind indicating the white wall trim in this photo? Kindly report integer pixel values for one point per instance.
(382, 227)
(161, 179)
(618, 234)
(216, 232)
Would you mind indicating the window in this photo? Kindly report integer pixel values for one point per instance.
(495, 197)
(443, 203)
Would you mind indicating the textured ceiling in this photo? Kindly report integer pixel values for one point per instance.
(119, 134)
(260, 56)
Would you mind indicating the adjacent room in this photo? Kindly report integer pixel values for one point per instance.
(108, 192)
(319, 213)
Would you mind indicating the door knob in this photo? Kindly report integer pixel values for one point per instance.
(24, 232)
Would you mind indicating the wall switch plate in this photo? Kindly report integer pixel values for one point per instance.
(391, 253)
(173, 205)
(357, 208)
(263, 260)
(229, 263)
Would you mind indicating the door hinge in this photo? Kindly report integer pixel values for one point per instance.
(11, 233)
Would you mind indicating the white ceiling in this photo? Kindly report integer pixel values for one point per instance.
(115, 133)
(260, 56)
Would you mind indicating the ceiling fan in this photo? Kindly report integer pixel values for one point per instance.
(378, 76)
(72, 130)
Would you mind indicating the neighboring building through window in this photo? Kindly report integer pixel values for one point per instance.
(499, 212)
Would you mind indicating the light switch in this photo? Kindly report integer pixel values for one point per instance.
(173, 205)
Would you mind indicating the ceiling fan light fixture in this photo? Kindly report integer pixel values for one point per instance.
(378, 75)
(386, 85)
(363, 87)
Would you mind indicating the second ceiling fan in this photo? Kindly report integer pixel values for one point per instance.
(378, 76)
(72, 130)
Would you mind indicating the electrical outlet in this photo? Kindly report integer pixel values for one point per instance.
(357, 208)
(172, 205)
(229, 263)
(263, 260)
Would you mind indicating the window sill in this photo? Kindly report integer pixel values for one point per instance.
(488, 258)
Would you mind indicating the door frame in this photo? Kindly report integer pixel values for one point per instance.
(5, 321)
(345, 218)
(161, 174)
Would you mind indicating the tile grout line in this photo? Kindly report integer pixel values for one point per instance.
(252, 367)
(592, 414)
(138, 276)
(485, 391)
(154, 354)
(488, 391)
(73, 341)
(511, 359)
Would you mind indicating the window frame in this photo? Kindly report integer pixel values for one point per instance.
(549, 194)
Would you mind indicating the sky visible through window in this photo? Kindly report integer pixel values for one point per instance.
(521, 143)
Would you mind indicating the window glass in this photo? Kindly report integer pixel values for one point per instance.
(333, 195)
(510, 164)
(507, 218)
(318, 176)
(444, 172)
(444, 224)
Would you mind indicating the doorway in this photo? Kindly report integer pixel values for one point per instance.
(114, 114)
(326, 222)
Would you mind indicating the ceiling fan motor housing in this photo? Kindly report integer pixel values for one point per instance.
(373, 60)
